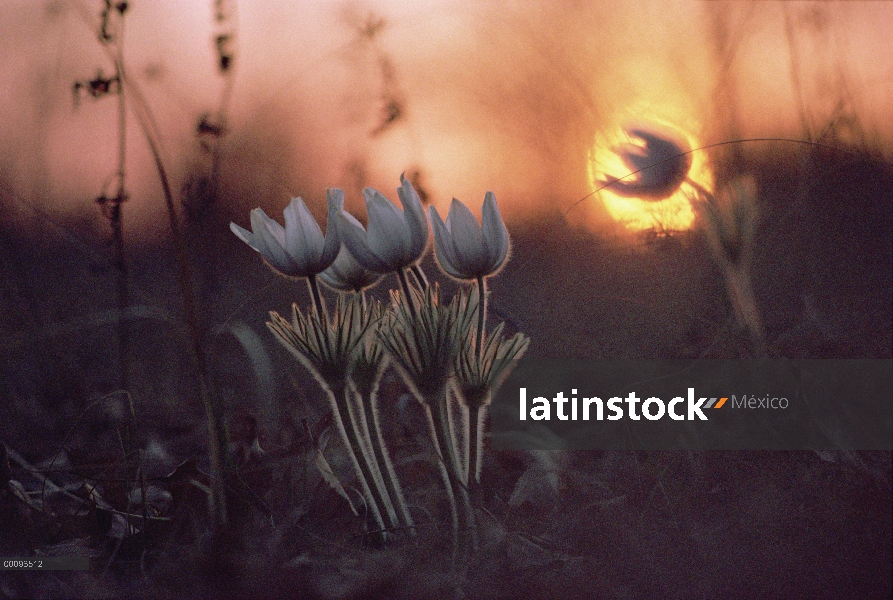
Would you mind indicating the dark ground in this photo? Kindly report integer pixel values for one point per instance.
(562, 525)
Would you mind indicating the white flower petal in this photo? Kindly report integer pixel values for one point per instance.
(414, 216)
(245, 235)
(353, 236)
(388, 235)
(335, 203)
(271, 237)
(352, 220)
(335, 199)
(303, 237)
(268, 226)
(468, 239)
(496, 235)
(299, 249)
(443, 246)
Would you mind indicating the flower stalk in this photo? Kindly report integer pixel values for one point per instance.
(422, 340)
(482, 315)
(730, 225)
(350, 435)
(368, 367)
(328, 350)
(447, 452)
(471, 253)
(369, 404)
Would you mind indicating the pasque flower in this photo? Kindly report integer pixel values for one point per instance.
(347, 275)
(299, 249)
(660, 160)
(464, 249)
(395, 239)
(472, 252)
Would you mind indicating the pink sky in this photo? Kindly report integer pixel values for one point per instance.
(508, 97)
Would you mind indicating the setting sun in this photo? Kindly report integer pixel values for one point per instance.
(658, 196)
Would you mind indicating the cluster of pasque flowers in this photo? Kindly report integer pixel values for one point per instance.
(436, 347)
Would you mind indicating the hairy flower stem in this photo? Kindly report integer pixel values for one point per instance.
(456, 438)
(482, 317)
(744, 305)
(450, 461)
(475, 414)
(338, 399)
(383, 459)
(441, 463)
(739, 286)
(419, 277)
(117, 221)
(360, 419)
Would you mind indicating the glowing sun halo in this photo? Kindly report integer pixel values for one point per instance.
(672, 213)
